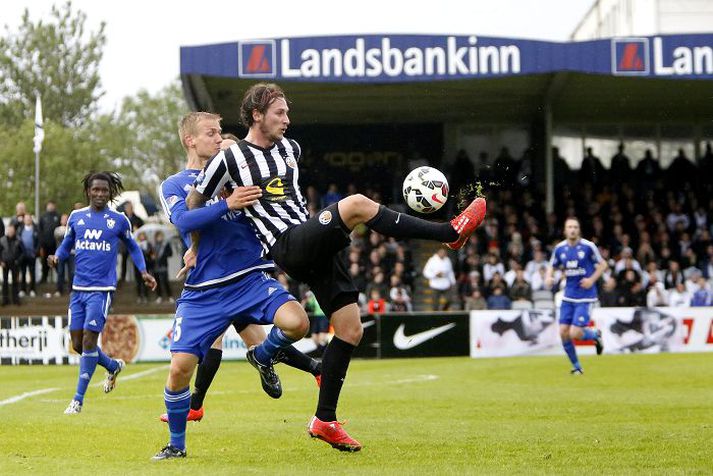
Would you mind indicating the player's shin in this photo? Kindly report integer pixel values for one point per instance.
(335, 363)
(177, 406)
(400, 225)
(571, 351)
(87, 366)
(276, 341)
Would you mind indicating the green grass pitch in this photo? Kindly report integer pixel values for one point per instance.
(629, 414)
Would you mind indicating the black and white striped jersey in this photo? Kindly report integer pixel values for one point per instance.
(274, 170)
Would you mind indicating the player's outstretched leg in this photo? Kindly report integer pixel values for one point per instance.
(400, 225)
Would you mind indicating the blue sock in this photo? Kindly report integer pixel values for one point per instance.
(107, 362)
(571, 353)
(87, 366)
(590, 333)
(177, 405)
(275, 341)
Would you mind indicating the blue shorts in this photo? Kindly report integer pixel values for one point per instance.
(575, 313)
(88, 310)
(202, 316)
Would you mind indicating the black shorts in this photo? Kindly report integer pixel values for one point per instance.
(318, 324)
(310, 253)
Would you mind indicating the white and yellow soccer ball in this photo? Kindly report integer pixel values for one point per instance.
(425, 189)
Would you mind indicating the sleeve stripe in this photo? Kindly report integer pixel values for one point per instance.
(164, 204)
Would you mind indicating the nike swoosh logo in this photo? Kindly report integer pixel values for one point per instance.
(404, 342)
(434, 197)
(398, 217)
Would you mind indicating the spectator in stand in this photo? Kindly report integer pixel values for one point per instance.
(492, 265)
(162, 252)
(136, 223)
(635, 296)
(318, 322)
(497, 282)
(592, 171)
(537, 282)
(399, 299)
(19, 219)
(2, 227)
(441, 278)
(27, 233)
(65, 268)
(511, 273)
(332, 195)
(627, 261)
(358, 278)
(475, 301)
(673, 276)
(142, 291)
(378, 282)
(656, 296)
(10, 256)
(506, 169)
(677, 217)
(647, 172)
(376, 304)
(620, 167)
(48, 245)
(538, 261)
(520, 289)
(702, 296)
(707, 263)
(610, 295)
(498, 300)
(681, 172)
(678, 296)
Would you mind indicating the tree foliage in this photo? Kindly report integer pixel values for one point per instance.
(59, 60)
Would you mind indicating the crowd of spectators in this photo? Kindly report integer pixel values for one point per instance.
(653, 227)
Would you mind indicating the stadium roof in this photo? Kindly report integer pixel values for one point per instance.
(433, 79)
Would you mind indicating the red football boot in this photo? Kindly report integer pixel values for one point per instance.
(333, 433)
(193, 415)
(466, 223)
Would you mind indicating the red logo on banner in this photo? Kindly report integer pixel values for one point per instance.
(258, 61)
(710, 334)
(631, 58)
(688, 324)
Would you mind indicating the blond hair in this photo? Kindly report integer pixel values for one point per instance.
(188, 125)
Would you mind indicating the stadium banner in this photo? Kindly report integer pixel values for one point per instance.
(34, 340)
(509, 333)
(423, 335)
(411, 58)
(624, 329)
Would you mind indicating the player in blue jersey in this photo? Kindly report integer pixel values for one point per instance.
(95, 232)
(227, 285)
(583, 266)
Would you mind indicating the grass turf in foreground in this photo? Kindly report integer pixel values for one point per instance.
(627, 414)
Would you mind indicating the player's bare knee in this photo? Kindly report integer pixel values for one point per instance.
(351, 334)
(357, 208)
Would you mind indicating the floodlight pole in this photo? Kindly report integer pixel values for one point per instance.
(37, 185)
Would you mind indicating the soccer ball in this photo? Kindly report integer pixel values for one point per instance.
(425, 189)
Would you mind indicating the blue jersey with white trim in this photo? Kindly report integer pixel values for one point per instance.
(95, 236)
(228, 247)
(579, 262)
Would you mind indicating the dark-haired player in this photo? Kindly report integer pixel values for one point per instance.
(307, 248)
(94, 232)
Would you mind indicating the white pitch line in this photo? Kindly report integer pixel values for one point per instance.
(25, 395)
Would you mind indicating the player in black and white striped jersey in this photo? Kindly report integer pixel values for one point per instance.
(307, 248)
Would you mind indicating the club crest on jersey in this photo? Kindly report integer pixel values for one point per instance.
(325, 217)
(580, 254)
(110, 222)
(290, 161)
